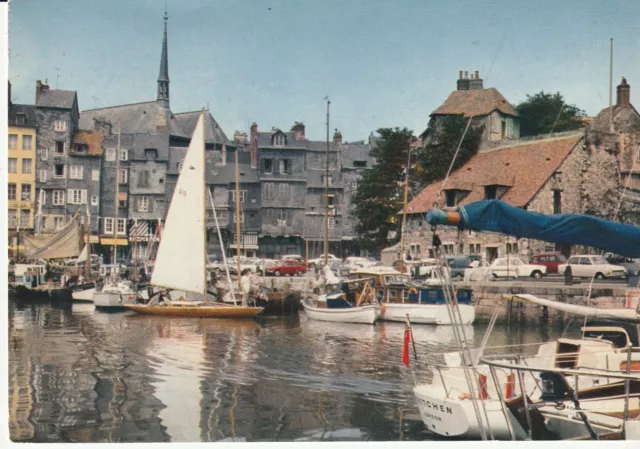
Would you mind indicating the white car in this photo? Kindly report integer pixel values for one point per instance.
(514, 267)
(356, 262)
(320, 260)
(585, 266)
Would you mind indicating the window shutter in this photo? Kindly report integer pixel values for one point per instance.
(69, 196)
(150, 204)
(84, 196)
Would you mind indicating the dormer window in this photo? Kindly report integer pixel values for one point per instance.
(451, 197)
(150, 154)
(278, 140)
(491, 192)
(21, 118)
(81, 147)
(360, 164)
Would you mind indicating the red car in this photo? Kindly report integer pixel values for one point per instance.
(286, 268)
(549, 260)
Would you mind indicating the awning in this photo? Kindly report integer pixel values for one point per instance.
(111, 241)
(94, 239)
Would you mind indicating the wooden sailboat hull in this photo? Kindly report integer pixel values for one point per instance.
(360, 315)
(208, 311)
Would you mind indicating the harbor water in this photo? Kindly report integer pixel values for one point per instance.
(81, 375)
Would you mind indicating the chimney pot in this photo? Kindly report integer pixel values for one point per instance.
(466, 75)
(460, 77)
(254, 145)
(623, 93)
(477, 75)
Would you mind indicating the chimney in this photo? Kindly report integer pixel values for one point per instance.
(463, 84)
(254, 145)
(466, 75)
(337, 137)
(624, 93)
(298, 128)
(475, 83)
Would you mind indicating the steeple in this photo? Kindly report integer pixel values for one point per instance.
(163, 77)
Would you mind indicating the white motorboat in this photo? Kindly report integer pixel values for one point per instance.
(334, 307)
(85, 295)
(425, 313)
(115, 295)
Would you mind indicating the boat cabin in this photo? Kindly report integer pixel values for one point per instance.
(30, 275)
(392, 286)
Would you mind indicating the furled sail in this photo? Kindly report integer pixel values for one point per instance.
(180, 263)
(589, 312)
(64, 243)
(569, 229)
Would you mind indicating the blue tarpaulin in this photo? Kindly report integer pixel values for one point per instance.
(568, 229)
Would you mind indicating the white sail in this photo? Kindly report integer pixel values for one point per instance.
(180, 263)
(83, 255)
(589, 312)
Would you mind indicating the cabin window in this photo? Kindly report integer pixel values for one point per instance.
(59, 148)
(490, 192)
(557, 202)
(267, 166)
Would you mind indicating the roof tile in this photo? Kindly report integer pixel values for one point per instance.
(475, 103)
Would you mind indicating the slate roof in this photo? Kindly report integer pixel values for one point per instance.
(475, 103)
(227, 174)
(144, 118)
(319, 145)
(264, 140)
(624, 117)
(525, 168)
(29, 112)
(93, 139)
(144, 141)
(213, 132)
(55, 98)
(356, 152)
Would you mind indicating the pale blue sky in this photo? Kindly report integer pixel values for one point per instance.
(382, 63)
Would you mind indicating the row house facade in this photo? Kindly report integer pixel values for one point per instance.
(21, 169)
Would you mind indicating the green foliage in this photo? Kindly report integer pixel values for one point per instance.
(541, 114)
(380, 190)
(434, 159)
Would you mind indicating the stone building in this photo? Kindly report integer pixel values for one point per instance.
(21, 170)
(573, 172)
(622, 122)
(57, 117)
(487, 107)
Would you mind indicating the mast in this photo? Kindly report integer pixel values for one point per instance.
(404, 204)
(204, 204)
(238, 218)
(87, 265)
(115, 205)
(326, 196)
(611, 86)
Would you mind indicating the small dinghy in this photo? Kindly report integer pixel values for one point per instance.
(335, 307)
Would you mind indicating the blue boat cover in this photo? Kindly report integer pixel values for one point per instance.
(569, 229)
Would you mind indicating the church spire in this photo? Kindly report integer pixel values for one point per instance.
(163, 77)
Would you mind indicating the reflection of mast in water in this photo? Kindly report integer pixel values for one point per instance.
(20, 391)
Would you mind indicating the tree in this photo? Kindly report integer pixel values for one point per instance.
(443, 137)
(544, 113)
(379, 196)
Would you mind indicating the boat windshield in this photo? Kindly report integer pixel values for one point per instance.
(395, 279)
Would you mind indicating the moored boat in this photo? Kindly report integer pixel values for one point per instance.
(335, 307)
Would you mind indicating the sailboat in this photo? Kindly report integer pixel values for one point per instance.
(336, 306)
(181, 262)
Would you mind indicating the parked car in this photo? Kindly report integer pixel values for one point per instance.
(320, 260)
(460, 264)
(356, 262)
(286, 268)
(297, 257)
(631, 265)
(588, 266)
(549, 260)
(514, 267)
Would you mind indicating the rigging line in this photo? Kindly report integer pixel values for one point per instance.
(446, 178)
(557, 118)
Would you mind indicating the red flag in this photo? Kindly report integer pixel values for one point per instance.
(405, 348)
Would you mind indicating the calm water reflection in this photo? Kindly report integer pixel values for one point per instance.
(79, 375)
